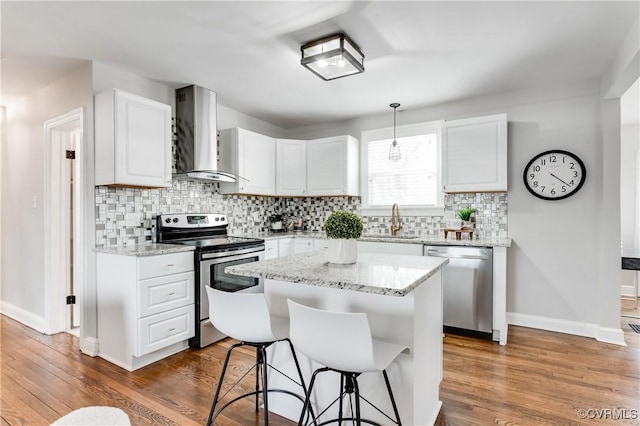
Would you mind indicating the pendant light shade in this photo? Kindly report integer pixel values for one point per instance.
(394, 150)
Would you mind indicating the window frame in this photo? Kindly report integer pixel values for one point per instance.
(367, 136)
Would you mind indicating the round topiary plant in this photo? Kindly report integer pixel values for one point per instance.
(343, 224)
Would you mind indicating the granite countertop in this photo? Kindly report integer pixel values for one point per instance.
(391, 275)
(407, 239)
(150, 249)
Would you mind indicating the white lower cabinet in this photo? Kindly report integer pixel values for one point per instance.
(285, 247)
(145, 307)
(271, 249)
(389, 248)
(302, 245)
(320, 243)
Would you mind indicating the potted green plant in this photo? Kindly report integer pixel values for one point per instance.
(343, 228)
(465, 215)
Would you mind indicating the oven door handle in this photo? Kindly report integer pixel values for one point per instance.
(230, 253)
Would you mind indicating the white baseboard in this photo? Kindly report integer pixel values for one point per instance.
(89, 346)
(607, 335)
(25, 317)
(611, 335)
(627, 290)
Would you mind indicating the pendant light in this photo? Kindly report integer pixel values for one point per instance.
(394, 150)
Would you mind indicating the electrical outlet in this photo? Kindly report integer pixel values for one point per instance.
(133, 219)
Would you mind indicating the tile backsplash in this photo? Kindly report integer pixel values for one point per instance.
(124, 215)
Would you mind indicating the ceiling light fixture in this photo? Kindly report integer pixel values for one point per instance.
(394, 150)
(332, 57)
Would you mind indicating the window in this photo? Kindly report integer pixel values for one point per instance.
(413, 182)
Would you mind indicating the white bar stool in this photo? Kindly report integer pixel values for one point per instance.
(246, 317)
(342, 342)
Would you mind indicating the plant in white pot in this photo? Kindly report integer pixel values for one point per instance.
(343, 228)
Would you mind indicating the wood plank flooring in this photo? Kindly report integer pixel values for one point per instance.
(539, 378)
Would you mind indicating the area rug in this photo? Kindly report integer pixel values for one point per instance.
(86, 416)
(635, 327)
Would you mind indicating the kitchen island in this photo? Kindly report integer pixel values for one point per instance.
(402, 296)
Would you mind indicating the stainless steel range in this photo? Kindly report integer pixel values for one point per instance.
(214, 251)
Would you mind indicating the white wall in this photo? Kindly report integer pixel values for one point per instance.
(23, 181)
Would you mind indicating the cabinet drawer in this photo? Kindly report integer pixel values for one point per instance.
(161, 330)
(156, 295)
(164, 264)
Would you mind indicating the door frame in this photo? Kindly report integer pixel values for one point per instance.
(54, 220)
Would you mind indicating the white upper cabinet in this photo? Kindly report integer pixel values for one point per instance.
(474, 154)
(132, 140)
(333, 166)
(251, 156)
(291, 167)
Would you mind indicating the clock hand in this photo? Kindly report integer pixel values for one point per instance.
(559, 179)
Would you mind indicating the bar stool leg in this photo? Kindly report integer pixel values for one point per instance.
(356, 390)
(341, 392)
(265, 385)
(393, 401)
(219, 387)
(304, 387)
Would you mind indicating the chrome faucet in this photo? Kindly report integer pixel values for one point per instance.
(395, 220)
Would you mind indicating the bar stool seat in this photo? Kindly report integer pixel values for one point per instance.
(342, 342)
(245, 317)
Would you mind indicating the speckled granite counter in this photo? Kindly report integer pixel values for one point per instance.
(151, 249)
(429, 240)
(391, 275)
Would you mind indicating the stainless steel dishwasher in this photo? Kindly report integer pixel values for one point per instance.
(468, 289)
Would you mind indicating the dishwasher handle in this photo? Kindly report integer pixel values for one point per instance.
(434, 253)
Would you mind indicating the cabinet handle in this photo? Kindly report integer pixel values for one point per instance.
(172, 329)
(171, 265)
(172, 293)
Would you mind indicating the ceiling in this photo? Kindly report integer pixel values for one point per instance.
(418, 53)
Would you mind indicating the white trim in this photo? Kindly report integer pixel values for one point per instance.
(54, 253)
(611, 335)
(23, 316)
(89, 346)
(607, 335)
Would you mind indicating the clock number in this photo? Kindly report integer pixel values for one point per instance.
(575, 174)
(572, 166)
(553, 191)
(543, 187)
(535, 184)
(564, 188)
(552, 158)
(543, 161)
(532, 176)
(536, 168)
(572, 183)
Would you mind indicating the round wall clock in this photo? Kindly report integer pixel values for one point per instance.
(554, 175)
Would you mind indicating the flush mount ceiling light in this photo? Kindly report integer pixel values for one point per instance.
(394, 149)
(332, 57)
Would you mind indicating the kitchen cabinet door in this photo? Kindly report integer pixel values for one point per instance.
(132, 140)
(389, 248)
(474, 154)
(291, 167)
(333, 166)
(302, 245)
(320, 243)
(251, 156)
(285, 247)
(271, 249)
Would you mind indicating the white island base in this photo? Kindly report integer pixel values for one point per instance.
(414, 320)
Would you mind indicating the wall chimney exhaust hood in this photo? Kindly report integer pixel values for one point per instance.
(197, 145)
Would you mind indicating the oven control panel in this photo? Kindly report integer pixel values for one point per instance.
(188, 220)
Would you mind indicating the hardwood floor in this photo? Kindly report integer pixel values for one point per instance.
(538, 378)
